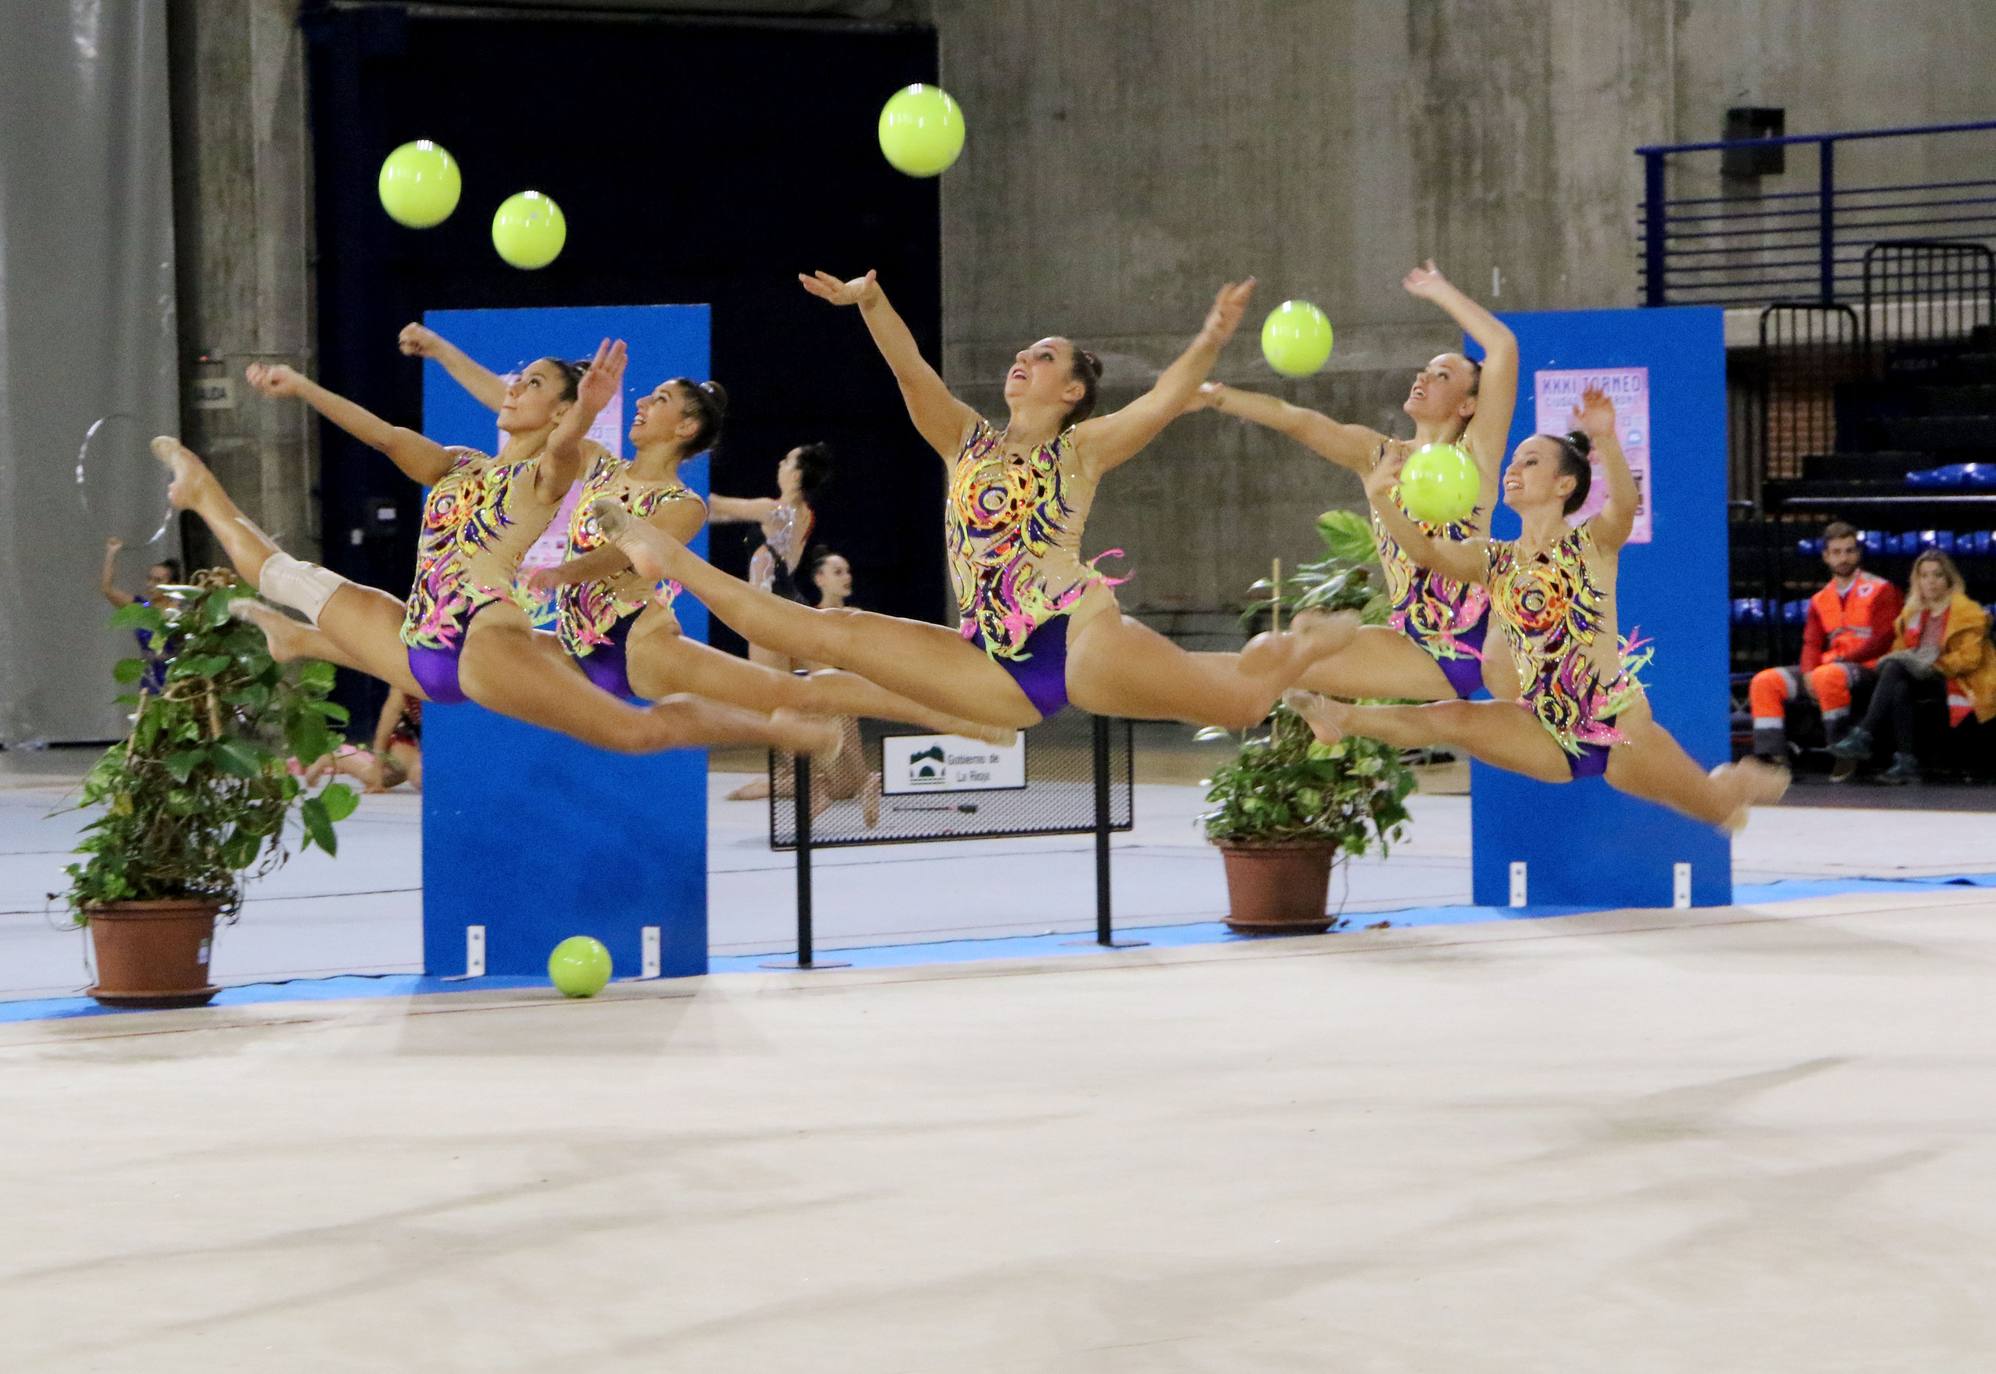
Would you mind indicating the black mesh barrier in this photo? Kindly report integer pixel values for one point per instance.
(943, 788)
(1071, 775)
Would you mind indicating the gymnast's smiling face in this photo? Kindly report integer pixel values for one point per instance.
(1538, 476)
(662, 416)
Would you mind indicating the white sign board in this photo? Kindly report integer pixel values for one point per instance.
(913, 764)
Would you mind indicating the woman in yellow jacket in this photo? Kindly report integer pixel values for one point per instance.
(1942, 657)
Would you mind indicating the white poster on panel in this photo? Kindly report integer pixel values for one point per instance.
(1557, 393)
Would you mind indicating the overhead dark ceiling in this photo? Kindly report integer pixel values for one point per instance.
(849, 9)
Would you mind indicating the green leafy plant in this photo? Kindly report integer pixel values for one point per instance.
(1346, 578)
(1283, 787)
(196, 798)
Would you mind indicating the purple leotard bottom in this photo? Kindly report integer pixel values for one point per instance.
(1041, 668)
(606, 665)
(1465, 674)
(435, 671)
(1592, 760)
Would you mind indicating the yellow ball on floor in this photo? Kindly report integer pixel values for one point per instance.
(580, 966)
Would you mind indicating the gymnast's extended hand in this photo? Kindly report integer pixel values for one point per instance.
(419, 341)
(826, 287)
(1594, 415)
(274, 379)
(1426, 281)
(1616, 520)
(939, 417)
(1379, 479)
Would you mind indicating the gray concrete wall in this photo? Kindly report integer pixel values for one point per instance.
(1127, 157)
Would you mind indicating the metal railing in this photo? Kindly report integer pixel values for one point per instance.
(1749, 244)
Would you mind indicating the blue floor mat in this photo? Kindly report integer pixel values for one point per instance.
(964, 951)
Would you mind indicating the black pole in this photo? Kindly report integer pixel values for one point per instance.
(1826, 220)
(1655, 291)
(1105, 932)
(802, 773)
(801, 795)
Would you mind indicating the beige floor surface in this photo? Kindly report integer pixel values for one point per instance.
(1712, 1141)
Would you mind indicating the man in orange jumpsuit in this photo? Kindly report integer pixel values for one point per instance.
(1850, 628)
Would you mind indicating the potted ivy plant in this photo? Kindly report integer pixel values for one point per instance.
(1288, 809)
(194, 802)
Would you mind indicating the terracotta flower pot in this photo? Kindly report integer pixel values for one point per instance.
(1278, 889)
(153, 954)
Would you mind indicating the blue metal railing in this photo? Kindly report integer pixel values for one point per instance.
(1751, 247)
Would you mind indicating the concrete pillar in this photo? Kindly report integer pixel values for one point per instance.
(242, 217)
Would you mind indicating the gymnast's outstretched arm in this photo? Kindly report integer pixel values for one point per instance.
(739, 510)
(422, 459)
(1615, 521)
(941, 418)
(487, 387)
(1349, 446)
(1108, 441)
(1489, 428)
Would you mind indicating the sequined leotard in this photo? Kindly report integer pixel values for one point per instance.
(594, 619)
(1447, 618)
(1553, 612)
(479, 519)
(442, 599)
(503, 525)
(1013, 533)
(784, 534)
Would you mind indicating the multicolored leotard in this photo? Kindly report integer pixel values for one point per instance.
(479, 519)
(1013, 532)
(509, 517)
(1552, 612)
(442, 600)
(1445, 617)
(592, 615)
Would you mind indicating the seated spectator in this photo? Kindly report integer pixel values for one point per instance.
(1943, 661)
(1848, 630)
(397, 755)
